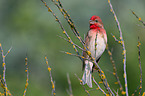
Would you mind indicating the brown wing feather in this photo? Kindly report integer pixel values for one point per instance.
(84, 53)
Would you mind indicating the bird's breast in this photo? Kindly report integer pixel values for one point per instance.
(97, 43)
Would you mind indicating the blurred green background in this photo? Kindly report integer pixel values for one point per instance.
(30, 29)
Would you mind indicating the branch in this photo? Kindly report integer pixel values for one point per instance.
(64, 32)
(3, 86)
(69, 20)
(26, 85)
(100, 71)
(82, 57)
(115, 70)
(6, 91)
(139, 18)
(83, 85)
(103, 78)
(99, 88)
(140, 88)
(123, 47)
(74, 43)
(52, 82)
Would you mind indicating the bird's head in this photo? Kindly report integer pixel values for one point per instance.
(95, 22)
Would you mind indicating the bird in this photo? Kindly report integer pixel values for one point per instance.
(95, 41)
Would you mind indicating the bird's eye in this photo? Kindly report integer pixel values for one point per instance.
(96, 20)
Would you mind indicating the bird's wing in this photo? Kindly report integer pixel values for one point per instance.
(84, 53)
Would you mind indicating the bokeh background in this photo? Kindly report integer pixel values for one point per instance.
(30, 29)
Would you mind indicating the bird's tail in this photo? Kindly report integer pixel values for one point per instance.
(87, 76)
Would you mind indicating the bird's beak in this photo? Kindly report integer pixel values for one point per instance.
(92, 22)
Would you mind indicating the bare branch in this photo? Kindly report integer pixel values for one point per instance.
(69, 20)
(6, 91)
(99, 88)
(115, 69)
(74, 43)
(52, 82)
(140, 88)
(64, 32)
(83, 85)
(123, 47)
(103, 78)
(26, 85)
(139, 18)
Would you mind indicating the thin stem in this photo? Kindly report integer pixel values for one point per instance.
(74, 43)
(103, 78)
(123, 46)
(6, 91)
(115, 69)
(99, 88)
(140, 88)
(83, 85)
(26, 85)
(139, 18)
(69, 20)
(52, 82)
(82, 57)
(70, 88)
(64, 32)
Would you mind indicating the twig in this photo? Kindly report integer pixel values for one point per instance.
(103, 78)
(83, 85)
(115, 38)
(124, 50)
(26, 85)
(116, 92)
(74, 43)
(64, 32)
(69, 20)
(52, 82)
(140, 88)
(139, 18)
(6, 91)
(3, 86)
(101, 73)
(82, 57)
(99, 88)
(70, 88)
(115, 69)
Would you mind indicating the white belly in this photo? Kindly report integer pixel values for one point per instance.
(97, 46)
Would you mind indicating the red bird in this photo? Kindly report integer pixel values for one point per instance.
(95, 41)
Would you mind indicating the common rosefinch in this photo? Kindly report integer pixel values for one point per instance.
(95, 41)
